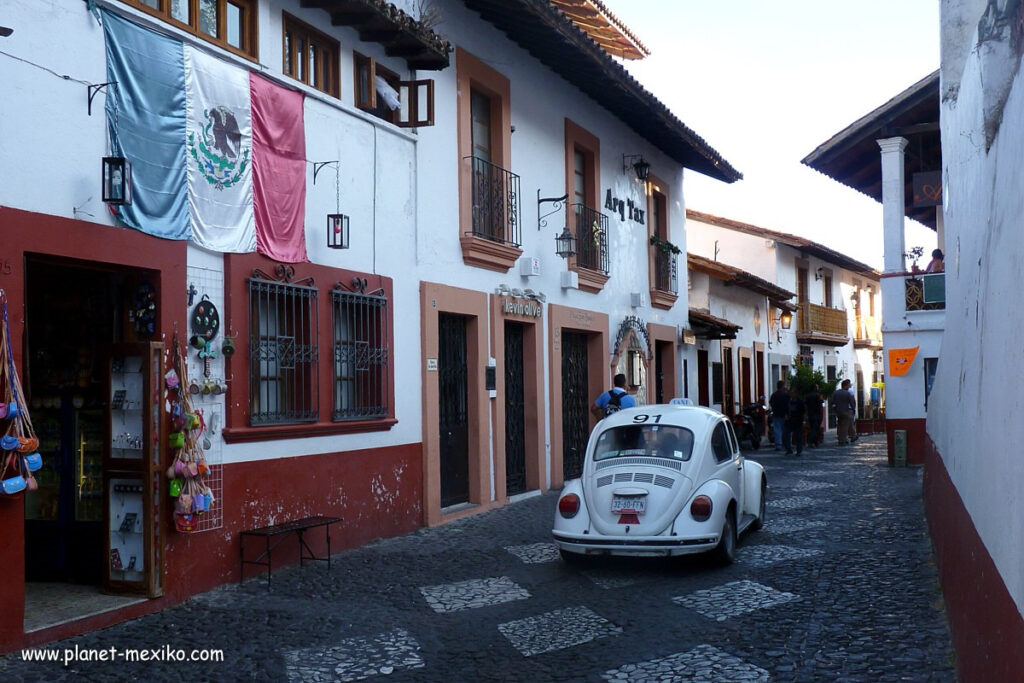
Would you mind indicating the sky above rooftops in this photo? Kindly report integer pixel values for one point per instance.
(764, 83)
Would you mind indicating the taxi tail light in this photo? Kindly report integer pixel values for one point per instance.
(700, 508)
(569, 505)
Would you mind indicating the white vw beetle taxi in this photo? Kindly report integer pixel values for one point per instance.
(661, 480)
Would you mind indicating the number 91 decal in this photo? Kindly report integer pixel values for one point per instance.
(643, 417)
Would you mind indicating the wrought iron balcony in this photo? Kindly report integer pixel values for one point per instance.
(821, 319)
(666, 278)
(495, 197)
(591, 238)
(925, 292)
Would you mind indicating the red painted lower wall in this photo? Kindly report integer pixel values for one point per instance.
(987, 627)
(917, 439)
(378, 492)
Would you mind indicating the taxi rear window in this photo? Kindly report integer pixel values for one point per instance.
(658, 441)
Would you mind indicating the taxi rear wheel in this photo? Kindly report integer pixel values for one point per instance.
(761, 509)
(725, 552)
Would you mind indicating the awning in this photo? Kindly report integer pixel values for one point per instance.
(707, 326)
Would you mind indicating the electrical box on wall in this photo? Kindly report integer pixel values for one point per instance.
(637, 300)
(529, 265)
(570, 280)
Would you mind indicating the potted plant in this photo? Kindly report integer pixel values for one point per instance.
(913, 255)
(664, 245)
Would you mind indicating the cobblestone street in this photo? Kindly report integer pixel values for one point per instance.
(838, 586)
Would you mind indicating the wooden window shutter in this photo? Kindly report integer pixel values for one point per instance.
(417, 103)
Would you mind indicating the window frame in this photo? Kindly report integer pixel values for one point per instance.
(372, 311)
(238, 270)
(300, 393)
(409, 115)
(329, 50)
(249, 33)
(578, 140)
(473, 73)
(658, 220)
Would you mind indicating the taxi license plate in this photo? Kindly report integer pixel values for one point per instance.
(636, 505)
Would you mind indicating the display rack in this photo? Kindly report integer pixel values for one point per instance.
(132, 469)
(127, 538)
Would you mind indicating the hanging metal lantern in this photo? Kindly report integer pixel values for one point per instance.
(565, 244)
(117, 180)
(642, 169)
(337, 231)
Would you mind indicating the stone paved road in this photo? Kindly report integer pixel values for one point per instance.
(838, 586)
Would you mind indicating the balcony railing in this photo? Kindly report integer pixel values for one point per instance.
(925, 292)
(868, 328)
(495, 196)
(591, 238)
(666, 278)
(815, 318)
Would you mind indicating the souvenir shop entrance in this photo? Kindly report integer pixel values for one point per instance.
(74, 314)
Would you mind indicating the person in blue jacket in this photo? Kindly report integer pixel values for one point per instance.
(614, 399)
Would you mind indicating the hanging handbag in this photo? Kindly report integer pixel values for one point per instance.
(15, 483)
(33, 462)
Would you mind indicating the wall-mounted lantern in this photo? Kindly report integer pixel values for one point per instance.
(636, 368)
(565, 244)
(117, 180)
(337, 231)
(640, 166)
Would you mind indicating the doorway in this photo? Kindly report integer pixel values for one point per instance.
(515, 410)
(73, 314)
(703, 390)
(453, 409)
(575, 402)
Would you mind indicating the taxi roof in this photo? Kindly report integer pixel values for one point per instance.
(697, 419)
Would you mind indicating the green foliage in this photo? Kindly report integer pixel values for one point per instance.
(804, 378)
(664, 245)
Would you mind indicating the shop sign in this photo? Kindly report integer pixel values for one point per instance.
(623, 207)
(527, 308)
(928, 188)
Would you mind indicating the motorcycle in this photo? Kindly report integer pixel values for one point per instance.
(749, 424)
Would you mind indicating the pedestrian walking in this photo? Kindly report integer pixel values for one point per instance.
(613, 400)
(779, 403)
(793, 430)
(813, 404)
(845, 406)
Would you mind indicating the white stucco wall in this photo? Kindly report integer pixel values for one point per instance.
(776, 263)
(45, 124)
(974, 414)
(399, 186)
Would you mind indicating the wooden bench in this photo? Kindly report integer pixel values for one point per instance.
(279, 532)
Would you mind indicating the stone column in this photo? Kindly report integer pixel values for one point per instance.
(893, 180)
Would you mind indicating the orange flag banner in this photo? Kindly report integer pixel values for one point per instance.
(900, 360)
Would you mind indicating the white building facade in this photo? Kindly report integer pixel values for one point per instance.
(406, 346)
(835, 327)
(973, 472)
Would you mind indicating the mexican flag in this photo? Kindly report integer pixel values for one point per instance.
(218, 152)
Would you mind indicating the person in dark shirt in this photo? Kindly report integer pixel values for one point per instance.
(793, 430)
(813, 403)
(779, 403)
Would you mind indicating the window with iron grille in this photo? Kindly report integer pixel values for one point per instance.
(361, 355)
(283, 352)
